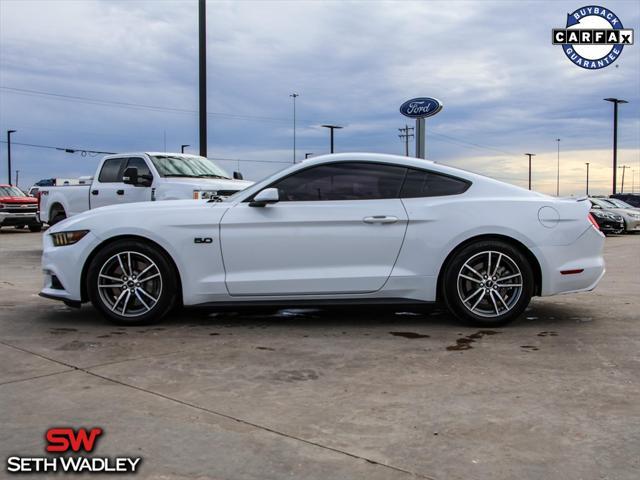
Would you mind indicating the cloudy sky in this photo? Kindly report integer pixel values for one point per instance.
(121, 75)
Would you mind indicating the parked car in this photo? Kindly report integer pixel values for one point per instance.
(347, 228)
(632, 199)
(630, 216)
(622, 204)
(17, 209)
(608, 222)
(138, 177)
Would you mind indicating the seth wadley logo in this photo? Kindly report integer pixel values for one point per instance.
(593, 37)
(66, 440)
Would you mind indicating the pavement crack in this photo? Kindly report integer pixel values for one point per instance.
(258, 426)
(211, 412)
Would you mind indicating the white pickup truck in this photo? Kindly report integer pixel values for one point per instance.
(139, 177)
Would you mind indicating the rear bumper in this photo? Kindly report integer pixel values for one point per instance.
(581, 262)
(12, 219)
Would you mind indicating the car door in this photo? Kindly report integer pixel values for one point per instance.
(109, 189)
(137, 193)
(337, 228)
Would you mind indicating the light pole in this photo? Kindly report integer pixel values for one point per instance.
(623, 167)
(530, 155)
(9, 132)
(307, 155)
(17, 177)
(587, 164)
(615, 102)
(294, 96)
(332, 128)
(182, 147)
(558, 175)
(202, 74)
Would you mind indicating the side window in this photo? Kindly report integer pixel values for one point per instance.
(342, 181)
(110, 170)
(420, 183)
(141, 165)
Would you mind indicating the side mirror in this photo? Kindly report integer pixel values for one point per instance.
(130, 176)
(266, 196)
(238, 176)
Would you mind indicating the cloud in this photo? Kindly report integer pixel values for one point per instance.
(506, 89)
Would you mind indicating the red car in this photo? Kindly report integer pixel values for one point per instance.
(17, 209)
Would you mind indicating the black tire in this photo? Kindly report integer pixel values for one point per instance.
(500, 311)
(35, 228)
(56, 218)
(167, 280)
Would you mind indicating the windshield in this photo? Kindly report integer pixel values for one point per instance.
(619, 203)
(11, 192)
(187, 166)
(601, 202)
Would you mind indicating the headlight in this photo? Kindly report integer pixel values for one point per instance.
(632, 215)
(61, 239)
(204, 194)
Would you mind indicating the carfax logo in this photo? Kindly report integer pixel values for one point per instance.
(68, 443)
(593, 38)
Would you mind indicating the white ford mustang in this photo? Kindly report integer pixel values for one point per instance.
(347, 228)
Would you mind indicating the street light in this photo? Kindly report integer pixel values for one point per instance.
(294, 96)
(587, 164)
(558, 175)
(615, 102)
(9, 132)
(182, 147)
(530, 155)
(332, 128)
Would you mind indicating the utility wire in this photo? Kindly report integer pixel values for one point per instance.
(85, 151)
(139, 106)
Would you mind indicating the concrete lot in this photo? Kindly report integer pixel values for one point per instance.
(325, 395)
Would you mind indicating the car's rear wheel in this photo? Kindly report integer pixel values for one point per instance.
(132, 283)
(488, 283)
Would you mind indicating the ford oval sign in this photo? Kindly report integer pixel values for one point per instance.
(420, 107)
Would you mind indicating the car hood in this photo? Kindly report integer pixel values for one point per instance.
(18, 200)
(208, 183)
(165, 209)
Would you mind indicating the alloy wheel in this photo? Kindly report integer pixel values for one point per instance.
(130, 284)
(489, 284)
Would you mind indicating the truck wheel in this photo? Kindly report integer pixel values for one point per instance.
(132, 283)
(56, 218)
(35, 228)
(488, 283)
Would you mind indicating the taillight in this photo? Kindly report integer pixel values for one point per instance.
(593, 222)
(38, 195)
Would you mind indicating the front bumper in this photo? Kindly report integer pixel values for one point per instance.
(13, 219)
(62, 268)
(576, 267)
(633, 225)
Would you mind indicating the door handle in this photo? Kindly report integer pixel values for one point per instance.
(95, 192)
(380, 219)
(120, 192)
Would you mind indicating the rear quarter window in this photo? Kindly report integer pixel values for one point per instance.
(421, 183)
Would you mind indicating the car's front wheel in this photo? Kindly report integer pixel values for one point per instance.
(132, 283)
(488, 283)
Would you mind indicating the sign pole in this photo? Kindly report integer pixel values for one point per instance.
(420, 138)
